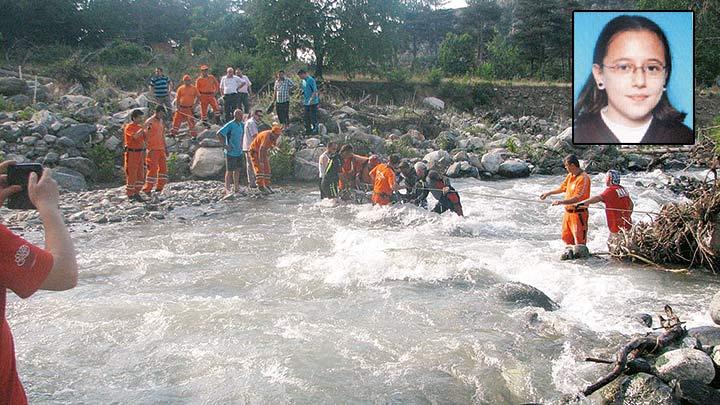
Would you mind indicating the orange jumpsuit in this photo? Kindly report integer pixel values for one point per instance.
(207, 87)
(155, 161)
(133, 157)
(185, 101)
(383, 181)
(351, 170)
(259, 156)
(575, 223)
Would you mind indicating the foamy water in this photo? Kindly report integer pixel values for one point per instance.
(291, 300)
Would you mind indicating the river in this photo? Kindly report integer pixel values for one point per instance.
(291, 300)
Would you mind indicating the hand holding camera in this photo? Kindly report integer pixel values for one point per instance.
(27, 186)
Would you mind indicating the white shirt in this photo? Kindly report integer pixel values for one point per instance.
(623, 133)
(231, 85)
(323, 163)
(245, 87)
(251, 131)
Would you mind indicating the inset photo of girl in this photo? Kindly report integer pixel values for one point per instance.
(633, 77)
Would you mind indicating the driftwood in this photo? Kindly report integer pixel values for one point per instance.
(627, 359)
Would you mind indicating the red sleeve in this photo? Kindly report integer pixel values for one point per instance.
(605, 194)
(23, 266)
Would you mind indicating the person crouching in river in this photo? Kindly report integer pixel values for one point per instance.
(576, 187)
(618, 205)
(260, 156)
(447, 197)
(384, 185)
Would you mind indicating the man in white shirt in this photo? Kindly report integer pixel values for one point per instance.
(251, 130)
(245, 91)
(230, 86)
(323, 163)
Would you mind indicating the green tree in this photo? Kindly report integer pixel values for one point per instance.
(456, 54)
(480, 19)
(505, 57)
(40, 21)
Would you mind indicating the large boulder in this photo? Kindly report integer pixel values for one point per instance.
(69, 180)
(310, 154)
(695, 393)
(706, 335)
(562, 141)
(526, 295)
(439, 160)
(434, 103)
(208, 163)
(90, 114)
(10, 86)
(492, 160)
(79, 133)
(82, 165)
(20, 101)
(127, 103)
(640, 388)
(305, 170)
(514, 168)
(685, 364)
(76, 102)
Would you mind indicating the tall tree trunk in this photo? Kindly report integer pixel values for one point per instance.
(319, 62)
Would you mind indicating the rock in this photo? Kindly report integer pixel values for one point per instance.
(69, 180)
(434, 103)
(112, 142)
(715, 308)
(526, 295)
(492, 160)
(348, 110)
(685, 364)
(416, 135)
(461, 156)
(453, 170)
(514, 168)
(124, 116)
(51, 158)
(305, 170)
(474, 160)
(211, 143)
(475, 143)
(29, 140)
(640, 388)
(45, 118)
(312, 143)
(562, 141)
(312, 155)
(83, 165)
(10, 86)
(80, 133)
(66, 142)
(706, 335)
(438, 160)
(90, 114)
(142, 101)
(75, 102)
(644, 319)
(208, 163)
(695, 393)
(127, 103)
(637, 162)
(20, 101)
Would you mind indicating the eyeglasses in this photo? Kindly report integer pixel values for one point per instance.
(625, 69)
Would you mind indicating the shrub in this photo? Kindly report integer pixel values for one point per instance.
(397, 76)
(104, 160)
(121, 53)
(510, 145)
(435, 77)
(26, 114)
(485, 71)
(446, 142)
(72, 70)
(172, 166)
(456, 54)
(6, 105)
(399, 147)
(282, 160)
(199, 44)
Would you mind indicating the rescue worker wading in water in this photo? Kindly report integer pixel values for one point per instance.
(576, 187)
(384, 184)
(260, 157)
(134, 134)
(447, 197)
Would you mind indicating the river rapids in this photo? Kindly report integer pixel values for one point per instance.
(292, 300)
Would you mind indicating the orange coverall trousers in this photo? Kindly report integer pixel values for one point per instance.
(157, 177)
(205, 101)
(134, 172)
(575, 227)
(261, 164)
(184, 114)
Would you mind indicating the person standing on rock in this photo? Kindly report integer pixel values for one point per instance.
(384, 184)
(576, 187)
(231, 135)
(283, 88)
(161, 86)
(251, 131)
(329, 186)
(134, 136)
(618, 204)
(25, 268)
(245, 91)
(260, 156)
(229, 85)
(208, 87)
(156, 159)
(311, 101)
(186, 100)
(448, 199)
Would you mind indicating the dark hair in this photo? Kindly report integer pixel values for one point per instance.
(281, 71)
(572, 159)
(258, 111)
(160, 108)
(331, 143)
(301, 71)
(404, 165)
(136, 113)
(346, 148)
(592, 99)
(394, 159)
(434, 175)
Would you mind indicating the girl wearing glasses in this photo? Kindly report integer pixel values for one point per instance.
(624, 99)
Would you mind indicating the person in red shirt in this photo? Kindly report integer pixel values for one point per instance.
(384, 184)
(133, 156)
(25, 268)
(156, 159)
(618, 204)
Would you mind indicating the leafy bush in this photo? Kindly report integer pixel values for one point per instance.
(282, 160)
(398, 76)
(104, 160)
(446, 142)
(199, 44)
(6, 105)
(485, 71)
(121, 53)
(172, 166)
(26, 114)
(511, 146)
(456, 54)
(72, 70)
(467, 96)
(124, 77)
(435, 77)
(399, 147)
(505, 58)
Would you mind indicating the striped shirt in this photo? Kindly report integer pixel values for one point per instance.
(160, 85)
(282, 90)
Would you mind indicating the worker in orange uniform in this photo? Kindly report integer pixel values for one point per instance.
(576, 187)
(208, 86)
(260, 158)
(185, 101)
(155, 160)
(352, 168)
(384, 184)
(133, 156)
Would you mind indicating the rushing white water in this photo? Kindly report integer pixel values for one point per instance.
(292, 300)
